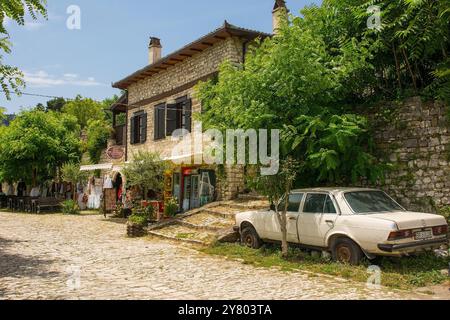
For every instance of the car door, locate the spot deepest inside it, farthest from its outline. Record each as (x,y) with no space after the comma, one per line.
(317,219)
(272,225)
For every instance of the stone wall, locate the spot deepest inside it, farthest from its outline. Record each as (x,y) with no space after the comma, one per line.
(415,137)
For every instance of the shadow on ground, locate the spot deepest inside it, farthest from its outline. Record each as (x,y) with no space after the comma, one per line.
(18,266)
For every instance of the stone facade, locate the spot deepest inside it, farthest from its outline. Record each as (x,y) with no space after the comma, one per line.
(415,137)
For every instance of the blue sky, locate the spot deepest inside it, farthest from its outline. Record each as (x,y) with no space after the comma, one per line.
(113,40)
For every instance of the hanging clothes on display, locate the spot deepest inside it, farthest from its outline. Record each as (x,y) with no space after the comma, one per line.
(108,184)
(21,189)
(81,197)
(96,191)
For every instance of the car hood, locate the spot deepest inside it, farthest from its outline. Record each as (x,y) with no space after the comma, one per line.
(411,220)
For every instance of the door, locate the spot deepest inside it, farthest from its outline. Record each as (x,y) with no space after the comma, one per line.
(272,224)
(195,192)
(317,219)
(187,193)
(177,189)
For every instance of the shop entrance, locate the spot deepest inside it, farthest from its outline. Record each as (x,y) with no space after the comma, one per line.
(191,199)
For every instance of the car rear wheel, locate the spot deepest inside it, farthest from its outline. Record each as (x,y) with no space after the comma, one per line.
(250,238)
(347,251)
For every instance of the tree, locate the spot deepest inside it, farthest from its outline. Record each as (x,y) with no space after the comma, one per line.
(146,171)
(56,104)
(84,110)
(11,78)
(71,172)
(98,132)
(36,144)
(292,83)
(277,189)
(2,114)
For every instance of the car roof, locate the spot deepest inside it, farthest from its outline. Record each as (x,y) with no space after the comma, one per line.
(335,190)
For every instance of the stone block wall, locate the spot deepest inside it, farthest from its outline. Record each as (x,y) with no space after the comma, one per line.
(415,137)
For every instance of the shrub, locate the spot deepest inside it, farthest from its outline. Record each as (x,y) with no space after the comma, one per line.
(70,207)
(445,211)
(139,220)
(171,207)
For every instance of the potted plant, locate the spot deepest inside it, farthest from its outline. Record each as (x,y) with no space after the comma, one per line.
(171,207)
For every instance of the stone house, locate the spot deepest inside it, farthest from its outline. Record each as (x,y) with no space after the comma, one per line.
(160,98)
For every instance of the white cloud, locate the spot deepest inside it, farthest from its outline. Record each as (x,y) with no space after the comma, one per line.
(41,79)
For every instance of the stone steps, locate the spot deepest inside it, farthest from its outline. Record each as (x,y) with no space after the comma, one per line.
(208,224)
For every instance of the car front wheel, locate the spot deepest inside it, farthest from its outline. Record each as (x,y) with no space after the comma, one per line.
(347,251)
(250,238)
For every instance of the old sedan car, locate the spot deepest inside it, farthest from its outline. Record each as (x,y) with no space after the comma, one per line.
(350,223)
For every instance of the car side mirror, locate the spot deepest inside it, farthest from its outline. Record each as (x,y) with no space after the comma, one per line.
(272,207)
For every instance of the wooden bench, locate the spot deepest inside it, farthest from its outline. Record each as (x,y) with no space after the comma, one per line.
(45,204)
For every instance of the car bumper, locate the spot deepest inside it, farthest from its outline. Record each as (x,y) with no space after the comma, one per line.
(412,246)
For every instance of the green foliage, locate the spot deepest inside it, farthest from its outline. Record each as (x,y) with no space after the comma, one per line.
(84,110)
(148,212)
(146,171)
(139,220)
(171,207)
(37,143)
(445,211)
(70,207)
(56,104)
(2,114)
(333,149)
(300,81)
(11,78)
(98,132)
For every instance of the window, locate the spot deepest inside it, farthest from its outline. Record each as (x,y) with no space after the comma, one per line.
(371,202)
(315,203)
(160,122)
(179,116)
(329,206)
(138,128)
(295,200)
(319,203)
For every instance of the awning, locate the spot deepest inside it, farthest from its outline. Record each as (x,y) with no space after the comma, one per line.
(94,167)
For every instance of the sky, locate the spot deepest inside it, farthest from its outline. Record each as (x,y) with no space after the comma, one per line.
(112,41)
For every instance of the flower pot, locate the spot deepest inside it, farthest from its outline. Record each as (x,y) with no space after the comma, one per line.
(135,230)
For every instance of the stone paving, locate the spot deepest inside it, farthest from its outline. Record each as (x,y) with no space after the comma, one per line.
(87,257)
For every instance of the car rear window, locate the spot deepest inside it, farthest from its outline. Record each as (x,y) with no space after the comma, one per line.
(366,202)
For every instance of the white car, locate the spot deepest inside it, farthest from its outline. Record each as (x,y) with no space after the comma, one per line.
(350,223)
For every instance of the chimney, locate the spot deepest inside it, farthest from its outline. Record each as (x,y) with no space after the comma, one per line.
(279,13)
(154,50)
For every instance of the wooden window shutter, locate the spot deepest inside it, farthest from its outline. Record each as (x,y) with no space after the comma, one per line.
(187,115)
(171,124)
(143,127)
(160,122)
(132,130)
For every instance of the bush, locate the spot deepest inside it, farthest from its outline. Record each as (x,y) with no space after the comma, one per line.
(70,207)
(139,220)
(171,207)
(445,211)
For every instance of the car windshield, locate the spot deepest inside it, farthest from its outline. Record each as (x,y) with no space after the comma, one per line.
(367,202)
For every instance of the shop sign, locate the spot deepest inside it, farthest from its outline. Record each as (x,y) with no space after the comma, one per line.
(115,153)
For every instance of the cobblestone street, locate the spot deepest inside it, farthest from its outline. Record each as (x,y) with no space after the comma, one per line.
(41,256)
